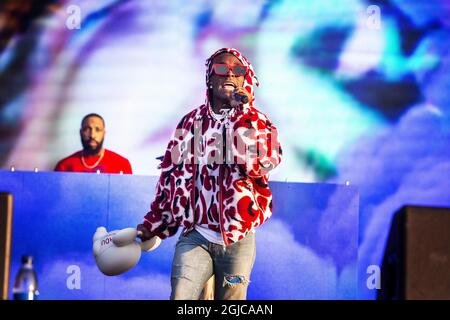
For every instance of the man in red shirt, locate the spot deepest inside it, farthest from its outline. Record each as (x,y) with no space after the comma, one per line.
(94,157)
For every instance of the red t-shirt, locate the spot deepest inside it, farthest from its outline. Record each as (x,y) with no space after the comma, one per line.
(111,163)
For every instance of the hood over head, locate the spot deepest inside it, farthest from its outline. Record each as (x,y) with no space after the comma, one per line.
(249,79)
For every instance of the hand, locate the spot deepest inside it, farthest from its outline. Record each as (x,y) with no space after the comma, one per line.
(143,233)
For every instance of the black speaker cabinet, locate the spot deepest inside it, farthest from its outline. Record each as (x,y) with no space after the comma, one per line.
(416,263)
(6,203)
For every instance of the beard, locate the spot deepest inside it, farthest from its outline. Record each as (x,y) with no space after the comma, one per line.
(90,150)
(221,96)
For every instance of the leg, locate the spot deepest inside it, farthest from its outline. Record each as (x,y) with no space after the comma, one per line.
(191,267)
(208,290)
(232,269)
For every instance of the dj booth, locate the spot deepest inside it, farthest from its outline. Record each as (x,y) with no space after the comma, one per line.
(308,249)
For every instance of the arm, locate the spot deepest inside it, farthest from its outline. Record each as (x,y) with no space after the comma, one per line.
(127,167)
(159,221)
(60,167)
(257,149)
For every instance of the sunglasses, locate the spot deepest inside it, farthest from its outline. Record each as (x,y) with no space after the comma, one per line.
(222,69)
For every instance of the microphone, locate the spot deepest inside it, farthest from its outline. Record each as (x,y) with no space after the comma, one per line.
(241,98)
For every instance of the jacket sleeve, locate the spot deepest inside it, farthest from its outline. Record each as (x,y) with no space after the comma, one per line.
(160,220)
(257,149)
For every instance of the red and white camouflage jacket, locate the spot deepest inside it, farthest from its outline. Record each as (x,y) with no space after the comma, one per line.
(230,158)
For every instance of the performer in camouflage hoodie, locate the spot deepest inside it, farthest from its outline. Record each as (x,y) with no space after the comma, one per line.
(214,183)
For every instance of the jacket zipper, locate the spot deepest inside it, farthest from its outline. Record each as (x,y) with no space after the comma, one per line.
(194,181)
(194,167)
(221,168)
